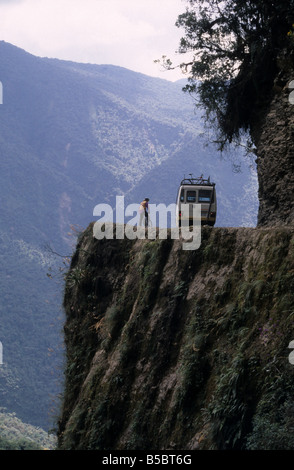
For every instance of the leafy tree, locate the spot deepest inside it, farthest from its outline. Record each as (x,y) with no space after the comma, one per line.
(234,46)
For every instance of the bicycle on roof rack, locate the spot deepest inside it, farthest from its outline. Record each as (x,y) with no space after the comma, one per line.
(197,190)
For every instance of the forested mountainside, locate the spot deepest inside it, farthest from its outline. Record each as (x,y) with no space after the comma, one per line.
(73,136)
(16,435)
(170,349)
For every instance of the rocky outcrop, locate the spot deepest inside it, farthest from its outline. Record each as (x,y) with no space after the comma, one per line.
(171,349)
(273,134)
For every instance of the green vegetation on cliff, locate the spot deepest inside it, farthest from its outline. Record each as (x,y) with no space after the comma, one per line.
(173,349)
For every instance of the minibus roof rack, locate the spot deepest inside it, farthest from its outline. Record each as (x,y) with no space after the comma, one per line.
(200,180)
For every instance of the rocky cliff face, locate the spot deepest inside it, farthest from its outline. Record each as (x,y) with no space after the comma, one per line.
(171,349)
(273,134)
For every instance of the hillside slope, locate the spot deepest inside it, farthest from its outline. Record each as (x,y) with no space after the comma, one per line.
(173,349)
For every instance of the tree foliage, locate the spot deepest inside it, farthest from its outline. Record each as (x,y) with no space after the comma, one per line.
(235,45)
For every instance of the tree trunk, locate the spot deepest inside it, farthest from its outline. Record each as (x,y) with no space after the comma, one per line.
(273,135)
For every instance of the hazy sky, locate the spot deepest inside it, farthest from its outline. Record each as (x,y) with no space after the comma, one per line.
(128,33)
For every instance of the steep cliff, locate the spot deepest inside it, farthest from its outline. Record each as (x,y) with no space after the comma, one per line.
(174,349)
(273,132)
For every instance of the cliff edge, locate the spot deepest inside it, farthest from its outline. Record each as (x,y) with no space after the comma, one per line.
(170,349)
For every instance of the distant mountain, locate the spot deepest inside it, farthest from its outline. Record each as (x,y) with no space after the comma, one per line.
(72,136)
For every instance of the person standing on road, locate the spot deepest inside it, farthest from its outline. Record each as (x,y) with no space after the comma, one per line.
(143,211)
